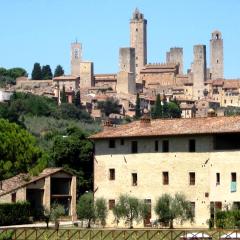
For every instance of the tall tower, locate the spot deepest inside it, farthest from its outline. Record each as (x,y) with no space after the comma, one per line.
(76,58)
(199,69)
(175,55)
(126,82)
(138,40)
(216,56)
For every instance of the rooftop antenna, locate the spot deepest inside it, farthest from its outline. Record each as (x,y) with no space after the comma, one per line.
(76,40)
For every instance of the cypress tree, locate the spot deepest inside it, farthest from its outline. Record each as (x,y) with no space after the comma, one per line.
(165,110)
(77,99)
(46,72)
(58,71)
(63,95)
(37,72)
(137,107)
(158,108)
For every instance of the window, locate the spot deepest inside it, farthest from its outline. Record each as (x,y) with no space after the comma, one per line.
(134,147)
(14,196)
(112,143)
(111,204)
(165,178)
(233,182)
(192,145)
(111,174)
(156,146)
(192,178)
(134,179)
(122,141)
(165,146)
(136,29)
(193,208)
(217,178)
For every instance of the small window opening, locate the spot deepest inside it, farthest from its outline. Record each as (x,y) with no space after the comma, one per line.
(134,147)
(134,179)
(192,145)
(156,146)
(165,178)
(111,174)
(192,178)
(217,178)
(112,143)
(165,146)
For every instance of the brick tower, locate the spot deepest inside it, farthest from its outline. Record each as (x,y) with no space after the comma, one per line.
(138,40)
(76,58)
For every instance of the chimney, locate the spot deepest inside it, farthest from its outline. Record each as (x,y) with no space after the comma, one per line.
(107,124)
(145,120)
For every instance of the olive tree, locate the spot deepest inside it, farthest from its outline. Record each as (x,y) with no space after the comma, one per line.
(130,209)
(170,208)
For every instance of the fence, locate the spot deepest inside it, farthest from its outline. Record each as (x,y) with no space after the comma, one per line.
(118,234)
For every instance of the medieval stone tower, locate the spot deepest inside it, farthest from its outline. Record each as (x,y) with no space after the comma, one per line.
(138,40)
(126,82)
(216,56)
(76,58)
(175,55)
(199,69)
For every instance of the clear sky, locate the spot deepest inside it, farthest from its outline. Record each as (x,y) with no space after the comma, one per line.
(42,30)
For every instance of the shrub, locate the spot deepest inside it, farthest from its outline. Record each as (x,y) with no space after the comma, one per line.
(6,235)
(14,213)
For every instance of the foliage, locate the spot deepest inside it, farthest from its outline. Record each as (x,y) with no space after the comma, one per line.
(165,110)
(77,99)
(37,72)
(138,107)
(157,113)
(57,210)
(63,95)
(16,72)
(85,208)
(228,219)
(130,209)
(174,110)
(6,80)
(14,213)
(7,235)
(109,106)
(231,111)
(46,72)
(170,208)
(58,71)
(101,210)
(18,150)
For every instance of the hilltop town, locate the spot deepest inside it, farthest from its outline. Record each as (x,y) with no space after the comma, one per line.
(200,90)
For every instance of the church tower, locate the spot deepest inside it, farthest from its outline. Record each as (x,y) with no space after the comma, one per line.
(76,58)
(216,56)
(138,40)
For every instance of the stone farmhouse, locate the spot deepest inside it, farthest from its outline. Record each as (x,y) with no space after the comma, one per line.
(52,185)
(145,159)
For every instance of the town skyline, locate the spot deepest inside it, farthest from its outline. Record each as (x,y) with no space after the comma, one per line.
(46,43)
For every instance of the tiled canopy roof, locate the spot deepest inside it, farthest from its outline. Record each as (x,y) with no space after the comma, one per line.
(24,179)
(171,127)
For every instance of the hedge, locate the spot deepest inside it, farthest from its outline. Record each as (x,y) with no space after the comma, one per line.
(14,213)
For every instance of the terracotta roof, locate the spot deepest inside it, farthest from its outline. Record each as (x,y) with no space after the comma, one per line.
(24,179)
(218,82)
(171,127)
(66,77)
(230,84)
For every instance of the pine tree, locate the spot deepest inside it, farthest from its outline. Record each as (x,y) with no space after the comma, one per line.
(37,72)
(46,72)
(63,95)
(138,108)
(58,71)
(158,108)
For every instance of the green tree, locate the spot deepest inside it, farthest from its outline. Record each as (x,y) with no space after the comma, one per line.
(58,71)
(37,72)
(3,71)
(174,110)
(57,210)
(157,108)
(137,107)
(77,99)
(130,209)
(63,95)
(109,106)
(16,72)
(85,208)
(165,109)
(101,210)
(18,150)
(46,72)
(170,208)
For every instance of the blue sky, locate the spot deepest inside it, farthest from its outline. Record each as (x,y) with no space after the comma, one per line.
(42,30)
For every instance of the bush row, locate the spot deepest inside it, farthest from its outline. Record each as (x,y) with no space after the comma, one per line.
(14,213)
